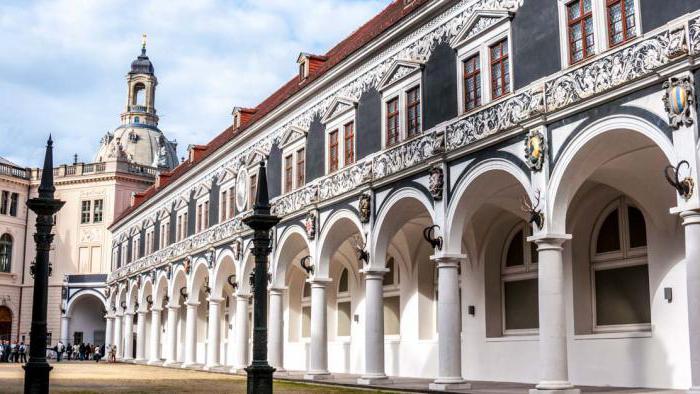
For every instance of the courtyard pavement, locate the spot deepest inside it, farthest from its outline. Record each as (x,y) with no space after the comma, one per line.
(89,377)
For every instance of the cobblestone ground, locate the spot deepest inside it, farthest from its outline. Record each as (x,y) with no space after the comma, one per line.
(89,377)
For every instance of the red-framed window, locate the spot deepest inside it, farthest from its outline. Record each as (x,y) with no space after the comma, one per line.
(288,176)
(301,157)
(472,83)
(500,73)
(392,122)
(333,151)
(621,22)
(349,143)
(413,111)
(579,17)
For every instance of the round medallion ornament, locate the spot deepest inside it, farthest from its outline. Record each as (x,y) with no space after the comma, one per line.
(678,99)
(242,190)
(535,150)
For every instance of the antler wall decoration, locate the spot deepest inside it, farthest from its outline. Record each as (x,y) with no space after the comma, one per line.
(232,281)
(183,293)
(535,215)
(429,235)
(306,264)
(685,186)
(359,245)
(149,300)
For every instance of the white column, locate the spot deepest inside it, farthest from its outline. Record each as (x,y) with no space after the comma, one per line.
(553,353)
(171,335)
(691,225)
(242,332)
(118,326)
(449,325)
(141,336)
(318,352)
(191,335)
(128,336)
(374,328)
(109,331)
(154,352)
(276,333)
(65,327)
(214,333)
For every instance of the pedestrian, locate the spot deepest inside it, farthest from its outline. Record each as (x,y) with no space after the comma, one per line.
(69,351)
(2,351)
(22,353)
(14,355)
(81,349)
(114,353)
(97,355)
(76,350)
(59,351)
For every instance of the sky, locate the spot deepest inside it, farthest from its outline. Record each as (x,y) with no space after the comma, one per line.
(64,62)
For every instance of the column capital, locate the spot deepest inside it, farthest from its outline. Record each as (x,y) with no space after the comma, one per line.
(445,260)
(156,310)
(142,311)
(374,273)
(129,313)
(192,304)
(319,282)
(690,217)
(243,296)
(108,317)
(278,290)
(67,317)
(215,300)
(549,241)
(173,307)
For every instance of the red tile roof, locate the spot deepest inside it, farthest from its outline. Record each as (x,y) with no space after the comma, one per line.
(388,17)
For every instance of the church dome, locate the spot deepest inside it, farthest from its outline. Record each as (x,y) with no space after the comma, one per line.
(139,144)
(142,64)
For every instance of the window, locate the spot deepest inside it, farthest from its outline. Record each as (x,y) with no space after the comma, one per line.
(413,126)
(97,211)
(519,283)
(164,231)
(181,232)
(4,202)
(333,151)
(14,197)
(392,300)
(149,241)
(253,188)
(223,200)
(85,212)
(343,305)
(581,40)
(472,83)
(288,176)
(306,311)
(392,122)
(135,248)
(621,21)
(619,270)
(301,168)
(500,70)
(5,253)
(202,216)
(349,143)
(231,202)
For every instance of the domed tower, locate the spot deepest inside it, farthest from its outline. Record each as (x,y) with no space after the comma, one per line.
(138,139)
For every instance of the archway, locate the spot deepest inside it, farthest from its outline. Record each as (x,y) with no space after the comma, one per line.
(5,323)
(86,311)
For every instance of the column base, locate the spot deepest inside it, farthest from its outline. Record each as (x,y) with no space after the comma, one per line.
(317,375)
(192,366)
(555,387)
(555,391)
(281,373)
(156,362)
(373,379)
(449,385)
(694,390)
(144,361)
(210,367)
(171,363)
(239,370)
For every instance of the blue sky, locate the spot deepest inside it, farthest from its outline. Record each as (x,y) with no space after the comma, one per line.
(64,62)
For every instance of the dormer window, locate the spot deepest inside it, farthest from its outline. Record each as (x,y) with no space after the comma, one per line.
(309,63)
(242,115)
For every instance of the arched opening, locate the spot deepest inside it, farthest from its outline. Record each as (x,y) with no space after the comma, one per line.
(139,95)
(5,323)
(87,324)
(6,253)
(222,288)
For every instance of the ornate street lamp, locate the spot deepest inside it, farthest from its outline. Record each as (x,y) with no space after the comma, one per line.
(36,371)
(261,221)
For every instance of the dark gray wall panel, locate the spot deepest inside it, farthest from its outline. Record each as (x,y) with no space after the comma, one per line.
(315,166)
(440,86)
(274,171)
(369,126)
(173,226)
(214,203)
(191,214)
(535,34)
(156,235)
(656,13)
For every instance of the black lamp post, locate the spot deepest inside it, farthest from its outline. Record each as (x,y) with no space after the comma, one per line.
(261,221)
(36,371)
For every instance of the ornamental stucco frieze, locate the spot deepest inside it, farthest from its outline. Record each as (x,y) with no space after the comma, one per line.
(694,34)
(633,62)
(408,154)
(345,180)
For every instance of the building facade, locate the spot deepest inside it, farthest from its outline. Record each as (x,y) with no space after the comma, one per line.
(94,194)
(499,190)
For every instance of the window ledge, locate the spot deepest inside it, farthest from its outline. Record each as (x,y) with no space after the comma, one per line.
(10,275)
(514,338)
(614,335)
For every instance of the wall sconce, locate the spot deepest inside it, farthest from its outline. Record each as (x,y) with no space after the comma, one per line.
(668,294)
(471,309)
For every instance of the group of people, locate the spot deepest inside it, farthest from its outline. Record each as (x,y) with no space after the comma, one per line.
(82,352)
(13,352)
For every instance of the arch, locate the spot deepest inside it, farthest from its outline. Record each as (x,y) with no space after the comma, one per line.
(292,242)
(328,244)
(386,226)
(246,267)
(461,208)
(199,272)
(6,242)
(132,296)
(179,280)
(5,323)
(225,266)
(160,290)
(572,162)
(145,291)
(82,294)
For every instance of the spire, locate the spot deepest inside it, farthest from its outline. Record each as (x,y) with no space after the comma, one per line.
(262,200)
(46,188)
(143,44)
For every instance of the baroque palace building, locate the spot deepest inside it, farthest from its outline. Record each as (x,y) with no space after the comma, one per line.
(494,190)
(95,193)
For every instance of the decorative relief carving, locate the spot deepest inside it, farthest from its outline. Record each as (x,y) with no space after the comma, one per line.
(678,100)
(535,150)
(407,154)
(310,225)
(436,182)
(345,180)
(364,206)
(694,34)
(499,117)
(90,235)
(296,200)
(630,63)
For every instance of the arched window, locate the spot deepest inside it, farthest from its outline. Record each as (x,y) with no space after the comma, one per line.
(5,323)
(619,270)
(519,292)
(343,305)
(5,253)
(306,311)
(139,94)
(392,299)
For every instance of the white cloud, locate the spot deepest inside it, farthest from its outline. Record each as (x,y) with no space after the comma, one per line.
(64,63)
